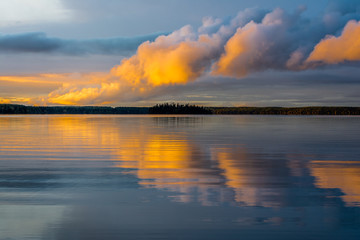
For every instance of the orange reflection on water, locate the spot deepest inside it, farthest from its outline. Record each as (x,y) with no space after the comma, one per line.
(168,161)
(175,163)
(235,176)
(158,157)
(150,149)
(56,137)
(344,175)
(241,176)
(162,153)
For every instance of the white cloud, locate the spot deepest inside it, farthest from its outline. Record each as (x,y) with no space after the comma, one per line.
(24,12)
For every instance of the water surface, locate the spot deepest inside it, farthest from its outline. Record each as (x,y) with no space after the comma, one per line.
(179,177)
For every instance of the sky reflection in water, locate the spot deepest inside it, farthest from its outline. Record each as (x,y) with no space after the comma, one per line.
(189,177)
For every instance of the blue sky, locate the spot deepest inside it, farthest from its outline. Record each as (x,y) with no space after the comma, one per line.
(54,50)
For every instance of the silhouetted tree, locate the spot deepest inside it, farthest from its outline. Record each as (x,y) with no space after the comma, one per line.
(176,108)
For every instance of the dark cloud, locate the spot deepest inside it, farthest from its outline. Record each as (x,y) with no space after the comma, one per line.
(29,42)
(41,43)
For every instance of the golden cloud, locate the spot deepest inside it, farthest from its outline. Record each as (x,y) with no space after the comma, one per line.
(346,47)
(173,59)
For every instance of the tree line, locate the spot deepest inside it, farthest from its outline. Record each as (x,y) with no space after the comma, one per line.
(21,109)
(176,108)
(288,111)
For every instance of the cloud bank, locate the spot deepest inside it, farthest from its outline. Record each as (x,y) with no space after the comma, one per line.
(253,41)
(41,43)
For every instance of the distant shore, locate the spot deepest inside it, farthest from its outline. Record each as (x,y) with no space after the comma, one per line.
(174,108)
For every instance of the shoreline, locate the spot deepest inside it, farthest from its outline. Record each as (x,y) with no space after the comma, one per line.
(173,109)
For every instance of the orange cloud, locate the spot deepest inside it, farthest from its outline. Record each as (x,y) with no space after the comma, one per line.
(39,78)
(75,95)
(256,47)
(174,59)
(235,49)
(53,78)
(346,47)
(65,83)
(5,101)
(15,100)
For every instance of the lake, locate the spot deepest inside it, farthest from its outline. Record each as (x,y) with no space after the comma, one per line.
(70,177)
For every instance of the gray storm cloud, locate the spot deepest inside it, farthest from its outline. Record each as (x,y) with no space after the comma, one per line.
(41,43)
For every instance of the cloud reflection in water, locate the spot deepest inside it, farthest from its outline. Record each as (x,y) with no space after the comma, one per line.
(113,176)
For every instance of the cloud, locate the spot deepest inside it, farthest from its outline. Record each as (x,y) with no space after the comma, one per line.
(103,93)
(257,46)
(5,101)
(29,42)
(346,47)
(41,43)
(251,42)
(30,86)
(174,59)
(281,41)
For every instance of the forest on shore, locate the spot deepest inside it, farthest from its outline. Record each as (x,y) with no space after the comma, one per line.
(22,109)
(176,108)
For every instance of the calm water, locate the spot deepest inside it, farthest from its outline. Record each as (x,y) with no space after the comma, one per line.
(186,177)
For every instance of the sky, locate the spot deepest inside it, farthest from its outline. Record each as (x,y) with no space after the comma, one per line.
(206,52)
